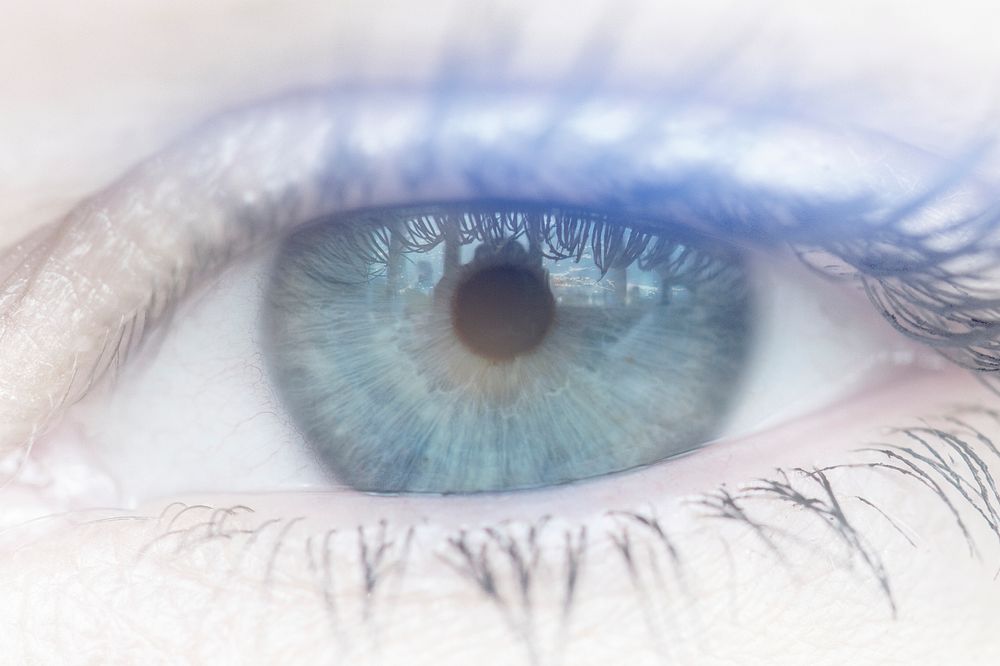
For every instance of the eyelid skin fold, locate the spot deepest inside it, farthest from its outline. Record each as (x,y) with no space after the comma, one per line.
(76,302)
(82,297)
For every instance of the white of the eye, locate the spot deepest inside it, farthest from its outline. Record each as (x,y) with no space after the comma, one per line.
(196,412)
(816,342)
(199,415)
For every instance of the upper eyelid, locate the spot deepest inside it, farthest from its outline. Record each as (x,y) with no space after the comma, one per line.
(86,293)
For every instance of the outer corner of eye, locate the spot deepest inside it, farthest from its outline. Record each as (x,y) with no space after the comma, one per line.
(817,343)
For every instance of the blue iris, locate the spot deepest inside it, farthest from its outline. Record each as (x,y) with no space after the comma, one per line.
(469,348)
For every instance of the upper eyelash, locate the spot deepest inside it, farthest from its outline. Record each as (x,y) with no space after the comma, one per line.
(719,202)
(562,233)
(939,296)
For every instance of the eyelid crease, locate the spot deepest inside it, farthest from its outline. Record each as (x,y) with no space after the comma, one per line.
(84,297)
(79,299)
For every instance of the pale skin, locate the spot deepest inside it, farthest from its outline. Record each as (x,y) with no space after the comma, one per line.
(100,89)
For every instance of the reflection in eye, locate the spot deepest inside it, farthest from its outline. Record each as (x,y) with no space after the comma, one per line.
(254,174)
(632,339)
(248,179)
(463,348)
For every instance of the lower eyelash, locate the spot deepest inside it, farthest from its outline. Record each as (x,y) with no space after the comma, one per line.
(514,567)
(966,481)
(813,492)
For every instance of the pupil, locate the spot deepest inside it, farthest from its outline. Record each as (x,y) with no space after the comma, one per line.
(502,311)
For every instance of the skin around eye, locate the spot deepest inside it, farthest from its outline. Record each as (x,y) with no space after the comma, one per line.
(176,220)
(98,88)
(166,554)
(153,412)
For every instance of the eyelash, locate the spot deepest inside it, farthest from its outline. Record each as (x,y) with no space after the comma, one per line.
(500,558)
(930,293)
(909,295)
(501,561)
(566,233)
(936,296)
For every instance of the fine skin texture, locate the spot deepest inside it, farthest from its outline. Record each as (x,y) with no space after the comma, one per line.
(692,562)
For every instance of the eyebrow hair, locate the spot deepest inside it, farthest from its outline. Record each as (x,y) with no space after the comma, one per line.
(86,295)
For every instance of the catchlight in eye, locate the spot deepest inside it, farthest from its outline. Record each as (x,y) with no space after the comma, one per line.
(481,348)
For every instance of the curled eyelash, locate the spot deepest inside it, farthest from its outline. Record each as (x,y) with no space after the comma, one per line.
(945,461)
(952,461)
(537,578)
(551,232)
(544,569)
(935,282)
(812,492)
(927,289)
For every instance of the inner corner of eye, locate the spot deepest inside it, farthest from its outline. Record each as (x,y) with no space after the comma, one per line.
(483,347)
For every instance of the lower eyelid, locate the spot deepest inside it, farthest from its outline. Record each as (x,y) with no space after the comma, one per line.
(548,572)
(270,560)
(809,439)
(67,473)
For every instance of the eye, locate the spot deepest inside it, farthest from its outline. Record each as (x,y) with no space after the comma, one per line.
(658,308)
(225,401)
(463,349)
